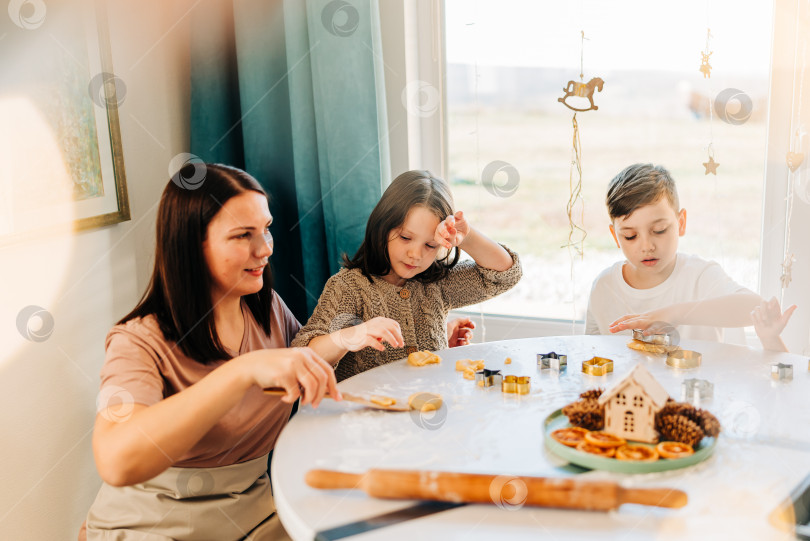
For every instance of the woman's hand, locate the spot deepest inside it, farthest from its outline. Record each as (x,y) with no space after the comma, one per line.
(300,371)
(452,230)
(459,332)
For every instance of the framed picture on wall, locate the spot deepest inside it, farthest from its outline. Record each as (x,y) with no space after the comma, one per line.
(60,143)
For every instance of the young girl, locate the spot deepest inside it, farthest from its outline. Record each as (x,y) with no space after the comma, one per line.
(393,296)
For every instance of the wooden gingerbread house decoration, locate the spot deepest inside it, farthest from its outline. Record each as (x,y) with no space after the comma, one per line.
(631,405)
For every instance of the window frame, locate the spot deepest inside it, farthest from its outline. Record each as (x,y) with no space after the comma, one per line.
(414,44)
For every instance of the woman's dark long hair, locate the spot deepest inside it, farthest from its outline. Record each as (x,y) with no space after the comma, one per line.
(179,292)
(410,189)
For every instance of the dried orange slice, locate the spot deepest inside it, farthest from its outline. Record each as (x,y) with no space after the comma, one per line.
(586,447)
(570,436)
(641,453)
(674,449)
(604,439)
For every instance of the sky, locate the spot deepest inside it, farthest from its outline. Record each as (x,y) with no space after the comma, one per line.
(620,34)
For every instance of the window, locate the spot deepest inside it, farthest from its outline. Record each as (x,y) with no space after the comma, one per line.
(506,64)
(621,399)
(638,401)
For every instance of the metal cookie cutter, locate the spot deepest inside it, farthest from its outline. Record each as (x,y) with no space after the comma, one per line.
(598,366)
(552,361)
(488,378)
(684,358)
(697,390)
(516,384)
(663,339)
(782,372)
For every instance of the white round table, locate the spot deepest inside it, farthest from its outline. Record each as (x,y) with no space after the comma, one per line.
(762,453)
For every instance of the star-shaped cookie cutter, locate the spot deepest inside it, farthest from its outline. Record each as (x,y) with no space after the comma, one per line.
(598,366)
(488,378)
(516,384)
(697,390)
(782,371)
(552,361)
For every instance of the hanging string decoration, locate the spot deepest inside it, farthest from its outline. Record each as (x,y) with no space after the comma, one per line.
(794,159)
(576,92)
(575,190)
(706,69)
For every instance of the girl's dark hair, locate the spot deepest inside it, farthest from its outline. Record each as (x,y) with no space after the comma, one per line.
(179,292)
(408,190)
(638,185)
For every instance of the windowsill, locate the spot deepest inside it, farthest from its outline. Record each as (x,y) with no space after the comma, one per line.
(490,327)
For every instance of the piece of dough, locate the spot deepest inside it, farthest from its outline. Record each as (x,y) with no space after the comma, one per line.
(383,400)
(422,358)
(464,364)
(425,401)
(646,347)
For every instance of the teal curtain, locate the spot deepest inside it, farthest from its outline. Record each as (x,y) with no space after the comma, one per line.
(292,92)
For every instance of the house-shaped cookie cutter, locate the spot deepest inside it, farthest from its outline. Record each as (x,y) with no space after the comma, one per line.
(662,339)
(598,366)
(684,358)
(782,371)
(488,378)
(516,384)
(552,361)
(697,390)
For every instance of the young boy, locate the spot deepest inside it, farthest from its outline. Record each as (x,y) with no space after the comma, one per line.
(656,284)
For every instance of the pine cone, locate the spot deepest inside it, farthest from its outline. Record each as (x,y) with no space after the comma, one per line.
(586,414)
(678,408)
(709,423)
(592,394)
(680,428)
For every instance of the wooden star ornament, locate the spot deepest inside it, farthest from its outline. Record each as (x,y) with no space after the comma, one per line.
(711,166)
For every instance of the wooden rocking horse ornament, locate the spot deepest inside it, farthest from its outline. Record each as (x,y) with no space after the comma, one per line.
(582,90)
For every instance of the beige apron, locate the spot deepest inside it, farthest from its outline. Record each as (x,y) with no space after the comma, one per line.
(195,504)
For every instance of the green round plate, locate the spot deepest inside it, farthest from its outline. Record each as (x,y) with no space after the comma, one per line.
(587,460)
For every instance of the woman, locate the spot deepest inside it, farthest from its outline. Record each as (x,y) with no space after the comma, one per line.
(183,429)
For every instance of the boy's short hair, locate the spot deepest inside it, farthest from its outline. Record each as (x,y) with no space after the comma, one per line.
(638,185)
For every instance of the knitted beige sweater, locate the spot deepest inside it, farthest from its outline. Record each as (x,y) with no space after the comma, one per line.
(421,309)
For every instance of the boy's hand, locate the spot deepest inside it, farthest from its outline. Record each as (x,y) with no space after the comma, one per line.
(654,322)
(452,230)
(459,332)
(769,320)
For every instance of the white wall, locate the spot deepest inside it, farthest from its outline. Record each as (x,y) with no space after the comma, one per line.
(86,281)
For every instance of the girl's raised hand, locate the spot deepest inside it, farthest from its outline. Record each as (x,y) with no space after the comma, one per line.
(452,230)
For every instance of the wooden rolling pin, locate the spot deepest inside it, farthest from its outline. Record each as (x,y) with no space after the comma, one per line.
(475,488)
